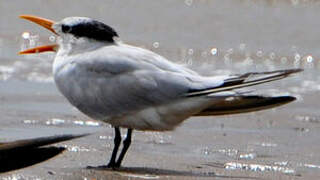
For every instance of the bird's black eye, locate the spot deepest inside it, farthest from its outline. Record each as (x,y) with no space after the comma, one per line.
(65,28)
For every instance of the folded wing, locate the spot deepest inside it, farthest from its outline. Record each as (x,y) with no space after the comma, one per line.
(245,80)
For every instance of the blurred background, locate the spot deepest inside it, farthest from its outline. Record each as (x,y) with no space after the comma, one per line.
(209,36)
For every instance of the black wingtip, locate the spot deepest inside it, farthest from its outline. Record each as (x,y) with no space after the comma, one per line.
(298,70)
(284,71)
(246,104)
(284,99)
(275,100)
(292,71)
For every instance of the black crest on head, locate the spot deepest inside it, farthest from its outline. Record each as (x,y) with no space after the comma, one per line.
(91,29)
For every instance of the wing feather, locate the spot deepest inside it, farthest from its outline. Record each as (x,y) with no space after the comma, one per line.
(245,80)
(124,79)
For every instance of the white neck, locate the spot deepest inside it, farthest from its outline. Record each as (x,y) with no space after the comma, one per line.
(69,45)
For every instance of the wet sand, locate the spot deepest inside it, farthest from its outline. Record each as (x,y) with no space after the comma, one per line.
(280,143)
(272,144)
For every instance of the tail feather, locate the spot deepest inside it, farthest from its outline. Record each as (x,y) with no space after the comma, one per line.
(245,80)
(243,104)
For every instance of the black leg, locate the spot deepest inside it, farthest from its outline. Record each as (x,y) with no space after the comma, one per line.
(126,144)
(117,141)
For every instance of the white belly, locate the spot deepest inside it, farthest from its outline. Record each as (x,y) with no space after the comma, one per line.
(162,118)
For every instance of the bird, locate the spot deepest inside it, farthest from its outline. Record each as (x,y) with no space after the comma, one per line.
(136,89)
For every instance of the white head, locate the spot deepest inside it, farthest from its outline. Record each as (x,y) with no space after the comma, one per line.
(75,33)
(83,27)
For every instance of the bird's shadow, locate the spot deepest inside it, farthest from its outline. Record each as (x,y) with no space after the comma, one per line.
(21,158)
(166,172)
(27,152)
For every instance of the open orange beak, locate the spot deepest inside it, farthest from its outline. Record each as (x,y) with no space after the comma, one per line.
(46,23)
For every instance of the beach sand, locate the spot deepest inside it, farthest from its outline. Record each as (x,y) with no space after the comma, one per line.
(211,37)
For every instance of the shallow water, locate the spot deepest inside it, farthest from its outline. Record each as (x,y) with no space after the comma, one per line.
(211,37)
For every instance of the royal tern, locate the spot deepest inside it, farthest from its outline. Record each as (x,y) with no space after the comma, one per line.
(134,88)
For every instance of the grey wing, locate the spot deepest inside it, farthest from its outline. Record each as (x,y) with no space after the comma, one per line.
(124,79)
(136,90)
(121,58)
(123,82)
(130,79)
